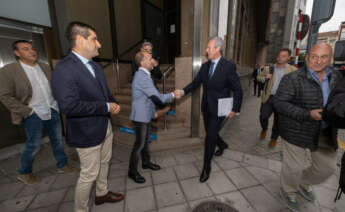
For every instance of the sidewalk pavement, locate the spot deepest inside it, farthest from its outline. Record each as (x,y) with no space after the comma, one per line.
(245,177)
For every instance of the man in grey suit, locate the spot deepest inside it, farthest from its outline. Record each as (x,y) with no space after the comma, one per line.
(144,97)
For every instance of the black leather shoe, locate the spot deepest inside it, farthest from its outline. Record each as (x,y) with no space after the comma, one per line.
(137,178)
(205,175)
(220,151)
(151,166)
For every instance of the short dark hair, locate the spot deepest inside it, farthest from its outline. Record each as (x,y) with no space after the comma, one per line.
(139,57)
(15,43)
(77,28)
(285,50)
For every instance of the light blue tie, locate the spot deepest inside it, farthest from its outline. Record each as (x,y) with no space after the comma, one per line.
(210,72)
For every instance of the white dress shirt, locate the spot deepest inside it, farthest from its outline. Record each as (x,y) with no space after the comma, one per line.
(42,99)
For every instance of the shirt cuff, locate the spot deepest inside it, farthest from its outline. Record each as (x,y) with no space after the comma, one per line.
(172,93)
(108,106)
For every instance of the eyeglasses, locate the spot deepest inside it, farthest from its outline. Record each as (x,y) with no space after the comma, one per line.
(317,57)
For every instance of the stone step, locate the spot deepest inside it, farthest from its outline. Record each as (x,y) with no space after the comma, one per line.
(124,121)
(165,140)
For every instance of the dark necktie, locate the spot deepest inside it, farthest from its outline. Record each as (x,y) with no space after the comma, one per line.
(210,72)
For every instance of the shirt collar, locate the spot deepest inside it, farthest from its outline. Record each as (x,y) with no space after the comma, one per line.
(145,70)
(83,59)
(315,75)
(216,60)
(27,66)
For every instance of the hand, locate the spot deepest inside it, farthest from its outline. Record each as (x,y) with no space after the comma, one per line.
(316,114)
(231,114)
(114,108)
(154,62)
(162,112)
(268,76)
(178,94)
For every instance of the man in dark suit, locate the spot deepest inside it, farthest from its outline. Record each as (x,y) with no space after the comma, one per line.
(218,77)
(82,94)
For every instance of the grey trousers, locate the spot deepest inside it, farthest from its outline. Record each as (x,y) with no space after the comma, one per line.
(304,167)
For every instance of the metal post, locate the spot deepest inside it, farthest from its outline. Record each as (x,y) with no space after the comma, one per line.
(231,49)
(197,60)
(214,17)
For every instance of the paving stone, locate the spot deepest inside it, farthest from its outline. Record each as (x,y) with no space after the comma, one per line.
(69,194)
(140,200)
(118,170)
(340,204)
(256,161)
(176,208)
(121,154)
(325,196)
(47,199)
(65,180)
(233,155)
(17,204)
(163,176)
(331,183)
(236,200)
(4,179)
(117,184)
(241,178)
(226,164)
(186,171)
(52,208)
(194,190)
(273,187)
(42,187)
(219,183)
(133,185)
(168,194)
(12,189)
(263,175)
(195,203)
(66,206)
(109,207)
(183,158)
(165,161)
(275,165)
(214,167)
(261,200)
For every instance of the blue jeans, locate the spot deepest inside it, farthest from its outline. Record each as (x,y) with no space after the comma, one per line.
(33,127)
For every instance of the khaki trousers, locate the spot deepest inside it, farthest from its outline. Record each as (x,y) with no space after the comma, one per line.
(94,166)
(297,169)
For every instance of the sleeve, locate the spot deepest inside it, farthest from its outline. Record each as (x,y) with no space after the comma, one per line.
(148,88)
(235,85)
(66,92)
(283,101)
(7,96)
(194,84)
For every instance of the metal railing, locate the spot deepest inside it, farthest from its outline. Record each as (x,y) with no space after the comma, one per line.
(165,75)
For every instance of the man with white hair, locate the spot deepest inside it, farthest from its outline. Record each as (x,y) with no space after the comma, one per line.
(218,77)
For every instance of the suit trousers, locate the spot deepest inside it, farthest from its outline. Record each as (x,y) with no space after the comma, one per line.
(94,165)
(140,147)
(212,125)
(266,111)
(298,169)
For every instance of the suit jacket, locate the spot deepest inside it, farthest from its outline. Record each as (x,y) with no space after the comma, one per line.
(144,95)
(83,99)
(16,90)
(268,89)
(224,80)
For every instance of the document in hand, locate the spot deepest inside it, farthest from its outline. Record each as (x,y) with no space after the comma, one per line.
(224,106)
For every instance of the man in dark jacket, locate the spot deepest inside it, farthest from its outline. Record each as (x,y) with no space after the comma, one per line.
(300,99)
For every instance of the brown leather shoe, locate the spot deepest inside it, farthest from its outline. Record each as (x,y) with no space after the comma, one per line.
(28,179)
(263,134)
(109,197)
(273,143)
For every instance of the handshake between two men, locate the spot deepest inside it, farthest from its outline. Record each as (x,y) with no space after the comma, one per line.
(178,94)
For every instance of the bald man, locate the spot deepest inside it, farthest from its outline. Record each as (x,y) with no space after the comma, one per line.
(299,101)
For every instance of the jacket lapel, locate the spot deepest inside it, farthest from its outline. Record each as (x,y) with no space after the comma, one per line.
(22,77)
(218,68)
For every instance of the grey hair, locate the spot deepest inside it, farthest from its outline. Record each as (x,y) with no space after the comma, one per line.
(218,42)
(146,43)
